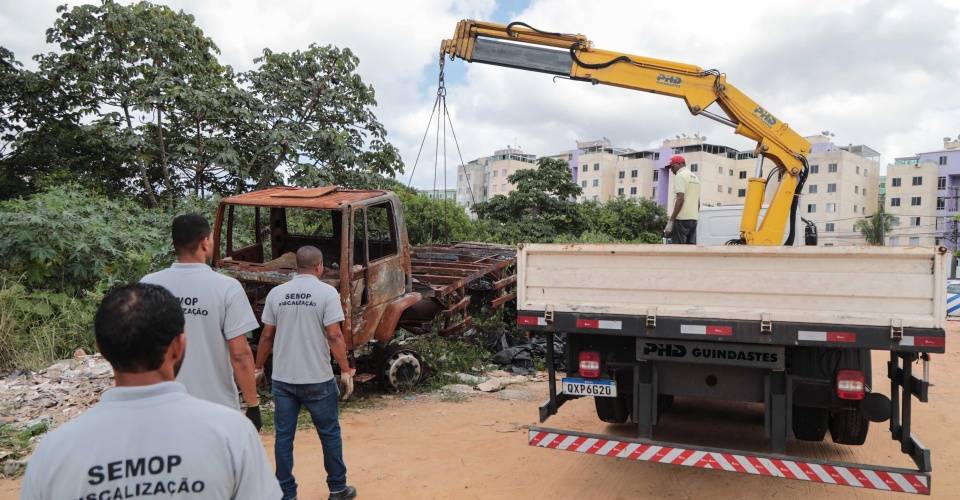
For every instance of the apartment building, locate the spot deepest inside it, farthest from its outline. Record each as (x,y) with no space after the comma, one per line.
(723,171)
(638,175)
(911,197)
(595,166)
(842,188)
(485,177)
(938,195)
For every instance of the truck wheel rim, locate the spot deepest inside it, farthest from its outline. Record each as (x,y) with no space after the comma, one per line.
(404,370)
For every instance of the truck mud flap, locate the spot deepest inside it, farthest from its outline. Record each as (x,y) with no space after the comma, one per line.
(760,464)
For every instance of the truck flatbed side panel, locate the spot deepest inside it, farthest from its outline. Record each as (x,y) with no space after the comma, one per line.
(856,286)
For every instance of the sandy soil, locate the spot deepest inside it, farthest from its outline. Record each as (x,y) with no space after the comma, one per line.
(429,448)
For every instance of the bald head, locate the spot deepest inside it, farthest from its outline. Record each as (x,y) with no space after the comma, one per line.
(309,258)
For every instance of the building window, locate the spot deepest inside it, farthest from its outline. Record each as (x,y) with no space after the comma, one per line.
(731,172)
(894,241)
(915,201)
(829,227)
(941,183)
(914,221)
(895,182)
(729,190)
(633,190)
(595,197)
(719,188)
(633,173)
(741,193)
(858,170)
(914,241)
(831,188)
(583,183)
(743,174)
(619,191)
(584,168)
(656,175)
(811,208)
(494,173)
(831,208)
(596,166)
(941,203)
(621,174)
(863,210)
(503,172)
(865,174)
(814,169)
(943,160)
(856,189)
(918,181)
(894,202)
(596,182)
(831,168)
(654,195)
(694,167)
(854,209)
(813,189)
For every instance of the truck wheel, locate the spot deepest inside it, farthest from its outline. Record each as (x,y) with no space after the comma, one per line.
(849,427)
(809,424)
(401,368)
(612,410)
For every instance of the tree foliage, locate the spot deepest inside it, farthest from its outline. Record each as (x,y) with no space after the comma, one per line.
(875,227)
(541,207)
(136,101)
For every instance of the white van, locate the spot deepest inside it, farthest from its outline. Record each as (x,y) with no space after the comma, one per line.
(718,225)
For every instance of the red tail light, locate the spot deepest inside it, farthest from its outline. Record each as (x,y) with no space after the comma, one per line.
(589,364)
(850,385)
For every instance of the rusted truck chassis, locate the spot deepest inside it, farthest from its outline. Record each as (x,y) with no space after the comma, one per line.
(384,283)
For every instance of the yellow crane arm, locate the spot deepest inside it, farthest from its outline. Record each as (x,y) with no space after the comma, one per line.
(518,45)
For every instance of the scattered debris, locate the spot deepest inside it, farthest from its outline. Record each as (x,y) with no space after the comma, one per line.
(43,400)
(523,357)
(497,383)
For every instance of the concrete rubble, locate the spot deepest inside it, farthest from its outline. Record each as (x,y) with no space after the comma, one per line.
(51,396)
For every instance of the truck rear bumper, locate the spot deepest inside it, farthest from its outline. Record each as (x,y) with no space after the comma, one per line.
(761,464)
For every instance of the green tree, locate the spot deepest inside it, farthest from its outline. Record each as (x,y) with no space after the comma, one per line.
(541,207)
(124,66)
(625,219)
(875,227)
(312,116)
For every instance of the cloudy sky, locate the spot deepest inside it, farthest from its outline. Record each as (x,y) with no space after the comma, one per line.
(876,72)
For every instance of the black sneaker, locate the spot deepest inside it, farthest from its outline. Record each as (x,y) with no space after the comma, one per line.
(348,492)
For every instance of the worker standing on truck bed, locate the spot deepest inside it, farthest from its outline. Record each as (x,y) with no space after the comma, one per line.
(218,317)
(682,226)
(147,437)
(302,316)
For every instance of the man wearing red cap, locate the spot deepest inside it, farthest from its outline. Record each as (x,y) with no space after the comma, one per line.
(682,226)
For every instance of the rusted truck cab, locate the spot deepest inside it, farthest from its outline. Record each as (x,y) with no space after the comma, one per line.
(384,284)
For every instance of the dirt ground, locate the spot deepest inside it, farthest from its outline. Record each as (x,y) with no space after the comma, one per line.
(439,447)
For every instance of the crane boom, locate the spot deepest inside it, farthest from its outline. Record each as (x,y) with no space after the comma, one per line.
(518,45)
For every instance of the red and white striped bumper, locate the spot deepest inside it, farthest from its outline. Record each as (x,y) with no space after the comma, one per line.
(855,475)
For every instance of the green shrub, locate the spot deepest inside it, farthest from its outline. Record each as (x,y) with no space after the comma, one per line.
(39,327)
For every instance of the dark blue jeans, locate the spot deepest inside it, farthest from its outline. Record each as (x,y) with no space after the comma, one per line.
(321,401)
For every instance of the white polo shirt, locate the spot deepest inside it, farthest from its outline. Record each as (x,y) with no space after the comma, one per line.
(216,310)
(688,183)
(153,441)
(301,309)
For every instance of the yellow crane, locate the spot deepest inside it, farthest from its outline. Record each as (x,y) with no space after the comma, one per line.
(519,45)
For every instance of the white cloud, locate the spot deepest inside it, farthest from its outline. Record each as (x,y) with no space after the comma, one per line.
(877,72)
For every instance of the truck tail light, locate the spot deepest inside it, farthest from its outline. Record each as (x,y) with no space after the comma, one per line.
(589,364)
(850,385)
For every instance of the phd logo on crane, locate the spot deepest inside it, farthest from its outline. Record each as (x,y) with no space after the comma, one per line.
(765,115)
(673,81)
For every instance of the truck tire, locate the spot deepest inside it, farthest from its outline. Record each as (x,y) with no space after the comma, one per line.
(401,368)
(849,427)
(612,410)
(809,424)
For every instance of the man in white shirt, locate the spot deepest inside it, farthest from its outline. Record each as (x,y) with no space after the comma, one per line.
(218,317)
(302,319)
(147,437)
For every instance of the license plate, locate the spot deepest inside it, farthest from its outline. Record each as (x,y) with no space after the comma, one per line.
(602,388)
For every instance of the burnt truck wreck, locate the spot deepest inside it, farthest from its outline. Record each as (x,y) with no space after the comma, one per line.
(385,284)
